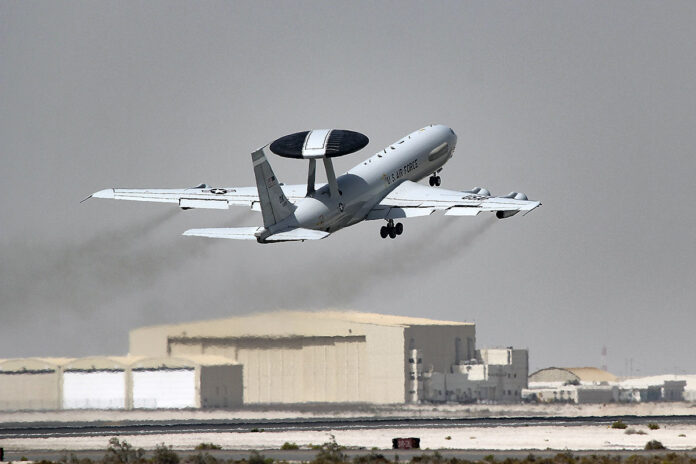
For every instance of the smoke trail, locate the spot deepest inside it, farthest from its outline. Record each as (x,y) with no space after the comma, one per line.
(82,276)
(415,257)
(319,280)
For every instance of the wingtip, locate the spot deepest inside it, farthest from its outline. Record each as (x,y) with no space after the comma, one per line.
(106,193)
(535,206)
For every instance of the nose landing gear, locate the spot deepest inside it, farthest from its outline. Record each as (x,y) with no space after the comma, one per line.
(391,230)
(435,180)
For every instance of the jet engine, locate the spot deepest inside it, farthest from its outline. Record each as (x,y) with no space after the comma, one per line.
(513,196)
(505,214)
(481,191)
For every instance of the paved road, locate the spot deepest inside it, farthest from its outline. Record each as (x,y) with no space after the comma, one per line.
(85,429)
(308,455)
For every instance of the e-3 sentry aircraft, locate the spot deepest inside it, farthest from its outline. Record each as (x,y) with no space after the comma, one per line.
(383,187)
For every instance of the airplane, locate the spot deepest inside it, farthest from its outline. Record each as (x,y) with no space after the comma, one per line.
(382,187)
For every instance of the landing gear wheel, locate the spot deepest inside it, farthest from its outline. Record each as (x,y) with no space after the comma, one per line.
(431,181)
(399,229)
(383,232)
(392,232)
(437,180)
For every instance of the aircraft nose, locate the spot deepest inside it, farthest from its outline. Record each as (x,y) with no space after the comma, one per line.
(452,139)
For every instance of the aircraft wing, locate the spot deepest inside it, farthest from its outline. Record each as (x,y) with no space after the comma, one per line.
(411,199)
(199,197)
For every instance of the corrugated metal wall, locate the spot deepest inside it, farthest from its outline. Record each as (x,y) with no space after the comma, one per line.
(303,369)
(29,390)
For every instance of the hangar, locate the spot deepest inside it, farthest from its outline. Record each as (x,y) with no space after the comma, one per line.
(588,375)
(120,382)
(29,383)
(329,356)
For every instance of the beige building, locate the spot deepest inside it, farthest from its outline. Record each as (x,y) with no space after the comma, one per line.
(330,356)
(120,382)
(30,384)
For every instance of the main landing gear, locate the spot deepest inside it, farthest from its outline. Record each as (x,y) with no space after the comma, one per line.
(391,230)
(434,180)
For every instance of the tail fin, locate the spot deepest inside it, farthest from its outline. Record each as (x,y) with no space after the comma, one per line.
(274,204)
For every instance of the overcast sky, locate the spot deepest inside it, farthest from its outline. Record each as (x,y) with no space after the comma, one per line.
(589,107)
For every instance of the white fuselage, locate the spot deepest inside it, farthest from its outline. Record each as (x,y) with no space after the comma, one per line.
(414,157)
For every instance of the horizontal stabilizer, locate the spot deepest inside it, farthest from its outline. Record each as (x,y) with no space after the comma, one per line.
(249,233)
(297,234)
(235,233)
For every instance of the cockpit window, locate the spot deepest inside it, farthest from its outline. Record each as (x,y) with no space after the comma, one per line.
(439,151)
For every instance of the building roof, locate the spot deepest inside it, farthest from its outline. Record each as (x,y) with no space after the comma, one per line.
(179,362)
(642,382)
(580,374)
(153,340)
(295,321)
(29,365)
(111,363)
(97,363)
(377,319)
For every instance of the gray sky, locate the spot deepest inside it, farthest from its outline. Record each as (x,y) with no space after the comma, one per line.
(589,107)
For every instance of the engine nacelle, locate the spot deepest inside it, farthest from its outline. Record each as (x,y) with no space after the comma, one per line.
(505,214)
(515,196)
(512,196)
(481,191)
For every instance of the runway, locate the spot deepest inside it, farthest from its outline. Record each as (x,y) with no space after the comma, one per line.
(78,429)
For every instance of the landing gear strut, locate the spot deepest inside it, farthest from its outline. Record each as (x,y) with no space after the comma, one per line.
(434,180)
(391,230)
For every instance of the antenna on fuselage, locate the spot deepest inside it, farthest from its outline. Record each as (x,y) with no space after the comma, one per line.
(320,144)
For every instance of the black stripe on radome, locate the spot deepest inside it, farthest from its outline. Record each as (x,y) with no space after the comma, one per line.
(342,142)
(290,146)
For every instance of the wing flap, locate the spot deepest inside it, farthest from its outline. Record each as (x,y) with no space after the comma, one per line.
(462,211)
(197,203)
(393,212)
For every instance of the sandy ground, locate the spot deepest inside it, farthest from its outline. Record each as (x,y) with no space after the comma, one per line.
(478,410)
(674,437)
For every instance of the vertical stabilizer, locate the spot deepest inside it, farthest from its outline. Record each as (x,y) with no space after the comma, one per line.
(274,204)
